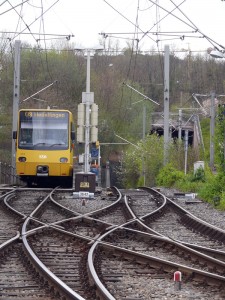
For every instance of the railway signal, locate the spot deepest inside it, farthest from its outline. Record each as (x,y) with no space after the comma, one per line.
(87,132)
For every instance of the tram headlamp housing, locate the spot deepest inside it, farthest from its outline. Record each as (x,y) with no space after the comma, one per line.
(22,159)
(63,159)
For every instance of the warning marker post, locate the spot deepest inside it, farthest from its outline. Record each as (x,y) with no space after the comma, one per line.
(177,280)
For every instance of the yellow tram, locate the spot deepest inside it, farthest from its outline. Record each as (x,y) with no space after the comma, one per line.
(45,146)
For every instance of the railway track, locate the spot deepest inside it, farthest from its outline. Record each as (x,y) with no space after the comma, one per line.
(179,224)
(116,246)
(18,280)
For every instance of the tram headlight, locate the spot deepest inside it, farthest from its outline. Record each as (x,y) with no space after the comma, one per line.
(39,169)
(63,159)
(22,159)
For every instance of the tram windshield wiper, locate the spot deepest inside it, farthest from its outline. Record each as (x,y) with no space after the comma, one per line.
(57,144)
(39,144)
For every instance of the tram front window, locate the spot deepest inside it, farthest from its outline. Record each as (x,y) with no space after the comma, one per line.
(43,133)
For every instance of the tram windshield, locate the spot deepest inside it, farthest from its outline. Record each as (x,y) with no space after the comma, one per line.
(43,130)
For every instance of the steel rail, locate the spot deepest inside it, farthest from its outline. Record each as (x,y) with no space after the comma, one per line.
(185,246)
(186,212)
(59,284)
(10,241)
(141,258)
(139,219)
(8,193)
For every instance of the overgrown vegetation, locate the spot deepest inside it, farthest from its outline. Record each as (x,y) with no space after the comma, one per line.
(209,186)
(121,109)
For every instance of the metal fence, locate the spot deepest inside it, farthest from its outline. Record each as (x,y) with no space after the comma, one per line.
(8,174)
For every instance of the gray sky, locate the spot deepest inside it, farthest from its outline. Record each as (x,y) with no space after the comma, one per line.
(87,18)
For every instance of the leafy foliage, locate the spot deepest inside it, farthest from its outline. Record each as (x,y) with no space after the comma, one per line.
(213,187)
(141,164)
(5,138)
(199,175)
(220,138)
(168,176)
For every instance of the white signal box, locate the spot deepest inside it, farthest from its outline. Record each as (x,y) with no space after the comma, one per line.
(87,98)
(80,134)
(94,114)
(80,114)
(94,134)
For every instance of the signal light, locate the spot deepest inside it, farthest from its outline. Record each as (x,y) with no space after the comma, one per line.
(63,160)
(22,159)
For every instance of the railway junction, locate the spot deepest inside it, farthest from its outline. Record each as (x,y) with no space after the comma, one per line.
(120,244)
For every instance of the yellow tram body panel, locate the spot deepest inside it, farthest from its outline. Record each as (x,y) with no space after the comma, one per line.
(50,159)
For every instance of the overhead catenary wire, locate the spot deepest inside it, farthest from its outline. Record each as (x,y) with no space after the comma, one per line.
(213,42)
(160,19)
(182,36)
(21,18)
(67,36)
(43,27)
(125,18)
(13,7)
(40,16)
(205,36)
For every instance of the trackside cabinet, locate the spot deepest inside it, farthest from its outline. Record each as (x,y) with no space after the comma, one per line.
(85,182)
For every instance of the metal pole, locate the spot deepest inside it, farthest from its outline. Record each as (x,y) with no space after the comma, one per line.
(87,124)
(107,181)
(223,142)
(166,102)
(212,129)
(99,167)
(144,120)
(144,132)
(180,125)
(185,151)
(16,95)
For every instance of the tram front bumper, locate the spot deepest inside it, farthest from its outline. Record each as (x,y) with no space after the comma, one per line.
(42,170)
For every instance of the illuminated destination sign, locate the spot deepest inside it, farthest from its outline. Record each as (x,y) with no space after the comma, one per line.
(43,114)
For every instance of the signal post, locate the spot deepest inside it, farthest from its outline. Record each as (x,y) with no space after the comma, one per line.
(87,134)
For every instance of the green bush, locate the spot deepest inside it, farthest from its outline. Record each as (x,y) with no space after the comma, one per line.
(168,175)
(199,175)
(213,187)
(187,185)
(221,204)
